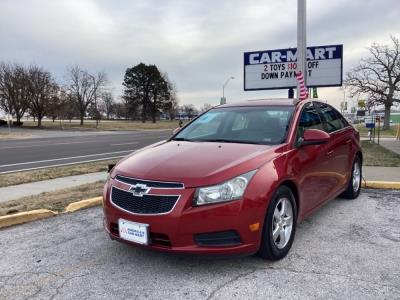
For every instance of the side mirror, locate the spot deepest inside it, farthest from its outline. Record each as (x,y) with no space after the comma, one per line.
(314,137)
(176,130)
(110,167)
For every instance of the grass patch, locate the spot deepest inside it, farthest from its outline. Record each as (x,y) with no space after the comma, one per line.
(90,125)
(376,155)
(56,201)
(55,172)
(383,133)
(12,136)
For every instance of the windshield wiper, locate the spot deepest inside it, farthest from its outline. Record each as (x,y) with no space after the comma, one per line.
(181,139)
(232,141)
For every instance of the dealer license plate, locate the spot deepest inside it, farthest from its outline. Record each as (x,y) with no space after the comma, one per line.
(134,232)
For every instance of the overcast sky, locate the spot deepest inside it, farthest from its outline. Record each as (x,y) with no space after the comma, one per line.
(198,43)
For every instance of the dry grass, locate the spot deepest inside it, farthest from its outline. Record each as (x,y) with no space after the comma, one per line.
(104,125)
(12,136)
(55,172)
(383,133)
(56,201)
(376,155)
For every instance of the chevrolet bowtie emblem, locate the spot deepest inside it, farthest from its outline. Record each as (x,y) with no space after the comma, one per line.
(139,189)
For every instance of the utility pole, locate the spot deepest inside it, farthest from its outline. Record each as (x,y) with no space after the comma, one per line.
(301,42)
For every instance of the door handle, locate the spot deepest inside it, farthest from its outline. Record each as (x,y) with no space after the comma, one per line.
(329,153)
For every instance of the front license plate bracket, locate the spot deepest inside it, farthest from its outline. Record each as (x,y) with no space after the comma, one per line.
(134,232)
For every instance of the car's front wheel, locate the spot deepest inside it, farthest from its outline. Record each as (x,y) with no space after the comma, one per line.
(354,186)
(279,225)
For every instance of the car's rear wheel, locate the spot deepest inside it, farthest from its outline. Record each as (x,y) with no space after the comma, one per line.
(279,225)
(354,186)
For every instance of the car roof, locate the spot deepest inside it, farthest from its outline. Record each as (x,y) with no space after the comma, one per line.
(266,102)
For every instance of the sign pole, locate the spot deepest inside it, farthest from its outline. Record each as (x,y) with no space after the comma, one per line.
(301,42)
(379,127)
(290,93)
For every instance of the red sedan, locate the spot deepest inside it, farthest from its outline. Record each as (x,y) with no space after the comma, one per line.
(235,180)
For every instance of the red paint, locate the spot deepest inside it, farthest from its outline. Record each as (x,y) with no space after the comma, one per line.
(319,173)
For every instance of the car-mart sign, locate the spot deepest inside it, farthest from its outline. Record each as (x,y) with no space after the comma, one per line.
(275,69)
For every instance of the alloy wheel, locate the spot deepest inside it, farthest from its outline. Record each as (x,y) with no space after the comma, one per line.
(356,176)
(282,223)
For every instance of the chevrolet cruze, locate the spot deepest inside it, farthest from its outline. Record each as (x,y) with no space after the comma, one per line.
(235,180)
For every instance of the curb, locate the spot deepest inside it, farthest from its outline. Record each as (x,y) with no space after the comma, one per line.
(26,216)
(39,214)
(381,185)
(83,204)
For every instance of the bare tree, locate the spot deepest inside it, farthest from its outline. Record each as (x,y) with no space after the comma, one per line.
(55,109)
(85,88)
(14,92)
(43,91)
(378,76)
(205,107)
(6,89)
(190,110)
(108,103)
(121,110)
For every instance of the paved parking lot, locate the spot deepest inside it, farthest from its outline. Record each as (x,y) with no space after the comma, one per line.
(347,250)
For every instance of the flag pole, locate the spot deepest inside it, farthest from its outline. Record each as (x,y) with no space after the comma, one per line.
(301,43)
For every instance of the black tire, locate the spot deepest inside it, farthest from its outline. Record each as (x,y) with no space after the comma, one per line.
(350,192)
(268,248)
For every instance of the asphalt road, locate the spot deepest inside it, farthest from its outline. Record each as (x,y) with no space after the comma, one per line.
(347,250)
(25,154)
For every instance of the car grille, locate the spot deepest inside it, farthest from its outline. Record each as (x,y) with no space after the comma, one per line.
(151,184)
(147,204)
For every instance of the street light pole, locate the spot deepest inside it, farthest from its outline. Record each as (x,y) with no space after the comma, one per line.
(343,103)
(223,100)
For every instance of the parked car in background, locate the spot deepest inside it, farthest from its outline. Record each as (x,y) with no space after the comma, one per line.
(235,180)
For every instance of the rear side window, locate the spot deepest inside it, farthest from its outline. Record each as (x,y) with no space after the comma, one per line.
(332,119)
(309,119)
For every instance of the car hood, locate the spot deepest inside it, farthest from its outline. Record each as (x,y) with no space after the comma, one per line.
(194,163)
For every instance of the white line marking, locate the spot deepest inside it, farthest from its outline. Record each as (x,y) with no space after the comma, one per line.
(132,143)
(63,158)
(46,145)
(60,165)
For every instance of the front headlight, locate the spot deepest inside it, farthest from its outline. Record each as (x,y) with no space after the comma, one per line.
(232,189)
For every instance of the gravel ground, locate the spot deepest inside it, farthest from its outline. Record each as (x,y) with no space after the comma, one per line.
(347,250)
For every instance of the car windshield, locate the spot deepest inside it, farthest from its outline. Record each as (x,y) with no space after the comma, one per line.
(251,125)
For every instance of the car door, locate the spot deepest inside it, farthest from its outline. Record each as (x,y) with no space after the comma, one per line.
(340,132)
(313,162)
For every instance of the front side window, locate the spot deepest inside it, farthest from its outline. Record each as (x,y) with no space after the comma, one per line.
(250,124)
(309,119)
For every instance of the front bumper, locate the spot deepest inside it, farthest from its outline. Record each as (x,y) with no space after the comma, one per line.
(179,230)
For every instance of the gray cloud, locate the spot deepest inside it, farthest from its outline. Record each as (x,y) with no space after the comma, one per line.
(198,43)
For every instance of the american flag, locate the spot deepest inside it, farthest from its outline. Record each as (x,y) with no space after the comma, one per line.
(303,90)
